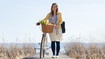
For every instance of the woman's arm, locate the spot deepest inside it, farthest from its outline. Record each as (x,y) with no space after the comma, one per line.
(60,19)
(47,17)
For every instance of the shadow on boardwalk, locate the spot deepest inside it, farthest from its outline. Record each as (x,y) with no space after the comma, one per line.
(31,58)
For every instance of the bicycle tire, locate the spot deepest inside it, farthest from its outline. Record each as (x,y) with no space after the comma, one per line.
(44,36)
(42,50)
(41,46)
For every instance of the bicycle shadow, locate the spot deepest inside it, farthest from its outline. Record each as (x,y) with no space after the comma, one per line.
(31,58)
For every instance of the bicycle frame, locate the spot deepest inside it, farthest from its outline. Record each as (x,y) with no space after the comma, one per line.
(43,44)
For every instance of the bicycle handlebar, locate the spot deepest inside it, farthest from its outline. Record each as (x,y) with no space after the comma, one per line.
(37,23)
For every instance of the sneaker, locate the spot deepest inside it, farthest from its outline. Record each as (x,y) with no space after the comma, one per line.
(53,56)
(57,56)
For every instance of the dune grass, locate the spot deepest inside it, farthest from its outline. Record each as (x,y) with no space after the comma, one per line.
(16,52)
(80,51)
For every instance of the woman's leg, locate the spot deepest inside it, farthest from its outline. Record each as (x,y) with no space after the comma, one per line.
(53,47)
(57,47)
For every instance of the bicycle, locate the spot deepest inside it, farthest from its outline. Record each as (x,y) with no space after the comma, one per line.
(43,44)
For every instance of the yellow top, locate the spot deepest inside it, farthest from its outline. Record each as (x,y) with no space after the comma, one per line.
(60,19)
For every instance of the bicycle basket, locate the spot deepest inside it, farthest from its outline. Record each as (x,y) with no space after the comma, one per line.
(47,28)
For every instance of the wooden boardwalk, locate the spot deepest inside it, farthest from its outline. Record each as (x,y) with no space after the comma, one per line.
(48,55)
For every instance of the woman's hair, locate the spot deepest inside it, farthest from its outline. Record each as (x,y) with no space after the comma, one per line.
(52,12)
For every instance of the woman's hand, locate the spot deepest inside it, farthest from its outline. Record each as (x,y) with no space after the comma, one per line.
(55,26)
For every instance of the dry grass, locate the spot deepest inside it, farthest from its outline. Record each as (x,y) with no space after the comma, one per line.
(79,51)
(15,52)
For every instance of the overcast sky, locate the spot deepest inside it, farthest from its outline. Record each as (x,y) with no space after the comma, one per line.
(84,19)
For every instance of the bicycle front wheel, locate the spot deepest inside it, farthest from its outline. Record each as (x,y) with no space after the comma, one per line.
(42,51)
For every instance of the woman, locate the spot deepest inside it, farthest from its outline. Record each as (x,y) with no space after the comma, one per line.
(54,37)
(55,18)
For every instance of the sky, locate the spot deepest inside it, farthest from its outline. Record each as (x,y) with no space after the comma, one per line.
(84,19)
